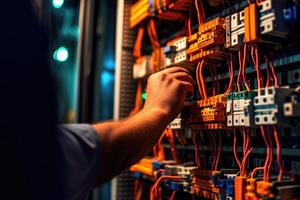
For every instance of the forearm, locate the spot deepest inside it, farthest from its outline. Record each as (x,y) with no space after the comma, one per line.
(125,142)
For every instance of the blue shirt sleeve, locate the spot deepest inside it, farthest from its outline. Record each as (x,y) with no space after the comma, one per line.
(80,148)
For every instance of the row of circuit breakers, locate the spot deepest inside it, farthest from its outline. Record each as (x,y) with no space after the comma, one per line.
(254,98)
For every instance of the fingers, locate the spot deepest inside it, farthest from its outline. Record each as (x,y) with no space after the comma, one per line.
(182,76)
(188,88)
(176,69)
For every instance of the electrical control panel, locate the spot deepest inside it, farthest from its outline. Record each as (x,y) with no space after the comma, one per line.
(237,137)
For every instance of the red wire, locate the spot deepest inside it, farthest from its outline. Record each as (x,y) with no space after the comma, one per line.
(153,192)
(244,68)
(240,71)
(275,78)
(278,153)
(268,151)
(271,153)
(234,149)
(173,195)
(231,74)
(268,71)
(189,24)
(257,61)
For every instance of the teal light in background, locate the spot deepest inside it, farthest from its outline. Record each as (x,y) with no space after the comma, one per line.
(57,3)
(61,54)
(144,95)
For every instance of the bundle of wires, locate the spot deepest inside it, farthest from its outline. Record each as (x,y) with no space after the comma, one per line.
(155,191)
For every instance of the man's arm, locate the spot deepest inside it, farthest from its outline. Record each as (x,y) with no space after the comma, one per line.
(123,143)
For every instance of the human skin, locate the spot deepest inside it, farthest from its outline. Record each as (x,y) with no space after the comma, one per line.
(125,142)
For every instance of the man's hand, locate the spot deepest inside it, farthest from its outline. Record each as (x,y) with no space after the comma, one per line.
(125,142)
(166,91)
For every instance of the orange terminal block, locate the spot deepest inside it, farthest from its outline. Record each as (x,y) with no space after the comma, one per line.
(263,189)
(251,190)
(240,187)
(251,23)
(144,166)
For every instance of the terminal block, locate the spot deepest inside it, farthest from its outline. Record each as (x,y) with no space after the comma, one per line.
(291,107)
(204,186)
(239,109)
(144,166)
(175,52)
(225,180)
(142,67)
(208,42)
(256,23)
(163,9)
(240,187)
(268,106)
(176,124)
(206,114)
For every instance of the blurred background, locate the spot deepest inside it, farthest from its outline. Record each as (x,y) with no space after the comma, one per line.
(83,58)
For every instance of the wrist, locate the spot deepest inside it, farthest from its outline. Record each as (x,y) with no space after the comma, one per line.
(160,116)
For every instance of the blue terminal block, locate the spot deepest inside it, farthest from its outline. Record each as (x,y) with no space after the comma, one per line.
(290,14)
(137,175)
(172,185)
(168,50)
(157,165)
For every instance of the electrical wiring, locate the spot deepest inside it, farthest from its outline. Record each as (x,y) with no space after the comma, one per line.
(275,78)
(239,78)
(270,162)
(189,24)
(235,150)
(231,75)
(244,68)
(170,136)
(268,151)
(268,71)
(198,81)
(138,43)
(256,60)
(213,77)
(153,193)
(158,149)
(278,153)
(173,195)
(201,78)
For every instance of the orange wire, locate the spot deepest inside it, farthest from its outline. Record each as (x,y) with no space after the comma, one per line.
(138,43)
(162,178)
(203,86)
(170,136)
(198,81)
